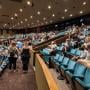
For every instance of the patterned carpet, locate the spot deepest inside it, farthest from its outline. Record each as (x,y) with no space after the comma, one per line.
(18,80)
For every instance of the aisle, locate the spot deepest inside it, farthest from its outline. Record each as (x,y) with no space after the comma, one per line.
(18,80)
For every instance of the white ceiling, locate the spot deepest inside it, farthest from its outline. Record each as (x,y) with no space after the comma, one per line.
(10,7)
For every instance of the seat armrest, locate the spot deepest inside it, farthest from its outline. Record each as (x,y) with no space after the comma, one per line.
(77,76)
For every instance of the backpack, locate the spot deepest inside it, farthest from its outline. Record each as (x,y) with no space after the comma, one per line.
(13,52)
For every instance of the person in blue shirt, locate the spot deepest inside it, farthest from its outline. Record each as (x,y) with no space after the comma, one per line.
(19,44)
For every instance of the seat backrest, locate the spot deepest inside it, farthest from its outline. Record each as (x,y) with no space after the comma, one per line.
(65,61)
(78,52)
(60,58)
(45,51)
(79,69)
(87,76)
(73,51)
(71,64)
(56,56)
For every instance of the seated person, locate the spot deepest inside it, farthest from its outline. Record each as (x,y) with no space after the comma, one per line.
(67,45)
(53,45)
(86,61)
(83,53)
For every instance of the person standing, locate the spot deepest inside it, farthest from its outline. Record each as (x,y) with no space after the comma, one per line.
(13,55)
(25,56)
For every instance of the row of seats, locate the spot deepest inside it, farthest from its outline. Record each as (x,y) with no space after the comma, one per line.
(3,62)
(74,72)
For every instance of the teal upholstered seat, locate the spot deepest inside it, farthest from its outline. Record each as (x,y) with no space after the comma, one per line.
(83,83)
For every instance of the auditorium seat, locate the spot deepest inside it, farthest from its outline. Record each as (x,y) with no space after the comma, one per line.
(78,71)
(70,67)
(83,83)
(78,53)
(64,62)
(72,51)
(58,61)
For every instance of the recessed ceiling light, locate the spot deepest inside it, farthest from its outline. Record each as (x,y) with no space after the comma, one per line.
(15,15)
(37,21)
(12,18)
(21,22)
(65,10)
(49,7)
(28,3)
(18,23)
(44,18)
(84,3)
(26,19)
(81,12)
(51,21)
(21,10)
(46,22)
(0,6)
(32,23)
(71,15)
(53,15)
(38,12)
(31,17)
(56,25)
(5,24)
(63,17)
(28,24)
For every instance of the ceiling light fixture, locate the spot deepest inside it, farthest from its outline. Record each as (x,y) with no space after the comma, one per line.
(49,7)
(12,18)
(65,10)
(21,10)
(46,22)
(51,21)
(15,15)
(32,23)
(53,15)
(26,19)
(31,17)
(44,18)
(28,3)
(0,6)
(71,15)
(21,22)
(37,21)
(63,17)
(84,3)
(56,25)
(38,12)
(18,23)
(28,24)
(81,12)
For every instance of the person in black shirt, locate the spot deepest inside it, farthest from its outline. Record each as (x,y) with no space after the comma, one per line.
(25,56)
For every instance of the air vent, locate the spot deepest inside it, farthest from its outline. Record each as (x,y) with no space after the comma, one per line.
(17,1)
